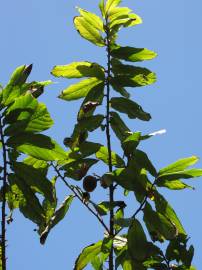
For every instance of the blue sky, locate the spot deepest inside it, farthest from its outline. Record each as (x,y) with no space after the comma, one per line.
(42,33)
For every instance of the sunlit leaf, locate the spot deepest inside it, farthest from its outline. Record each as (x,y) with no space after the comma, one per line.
(88,31)
(87,255)
(92,19)
(172,184)
(37,145)
(78,70)
(132,54)
(80,89)
(103,155)
(179,165)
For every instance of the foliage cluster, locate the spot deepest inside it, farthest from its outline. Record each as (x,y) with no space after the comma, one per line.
(28,155)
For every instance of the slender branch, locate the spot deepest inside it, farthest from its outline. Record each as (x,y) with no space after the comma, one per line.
(99,218)
(3,208)
(166,261)
(111,188)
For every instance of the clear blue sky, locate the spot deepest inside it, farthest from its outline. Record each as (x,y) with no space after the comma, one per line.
(42,33)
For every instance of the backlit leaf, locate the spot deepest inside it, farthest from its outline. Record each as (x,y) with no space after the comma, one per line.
(78,70)
(88,31)
(103,155)
(80,89)
(132,54)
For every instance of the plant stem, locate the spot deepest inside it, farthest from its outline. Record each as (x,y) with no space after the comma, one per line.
(111,188)
(3,208)
(80,199)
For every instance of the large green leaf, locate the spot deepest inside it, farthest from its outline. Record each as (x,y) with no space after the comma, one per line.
(37,145)
(118,126)
(186,174)
(30,206)
(179,165)
(103,155)
(159,223)
(57,217)
(92,19)
(163,207)
(172,184)
(79,70)
(87,255)
(80,89)
(132,54)
(131,76)
(37,164)
(88,31)
(132,109)
(137,241)
(34,179)
(27,115)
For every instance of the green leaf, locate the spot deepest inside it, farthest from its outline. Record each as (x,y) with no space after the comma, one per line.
(131,76)
(122,91)
(88,31)
(102,7)
(30,206)
(92,100)
(118,126)
(163,207)
(186,174)
(41,165)
(34,179)
(132,178)
(111,4)
(79,70)
(132,109)
(144,162)
(92,19)
(87,255)
(57,217)
(172,184)
(38,146)
(27,115)
(14,86)
(179,165)
(158,224)
(137,241)
(119,13)
(89,148)
(130,143)
(78,169)
(103,155)
(80,89)
(104,207)
(126,21)
(89,123)
(132,54)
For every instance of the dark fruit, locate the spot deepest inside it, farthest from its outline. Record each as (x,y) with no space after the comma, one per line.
(89,183)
